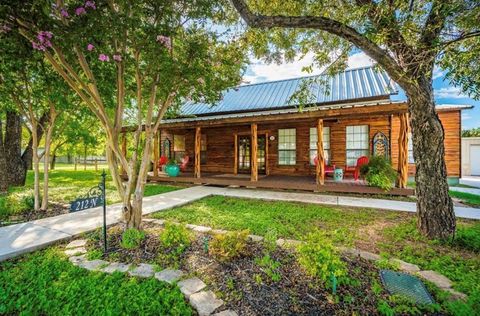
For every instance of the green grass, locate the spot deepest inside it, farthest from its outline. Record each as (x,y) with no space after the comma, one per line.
(288,219)
(467,198)
(391,233)
(66,185)
(46,283)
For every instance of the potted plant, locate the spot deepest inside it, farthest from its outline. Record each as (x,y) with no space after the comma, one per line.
(379,173)
(172,168)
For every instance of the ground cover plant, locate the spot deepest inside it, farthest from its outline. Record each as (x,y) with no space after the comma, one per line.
(392,234)
(264,279)
(66,184)
(46,283)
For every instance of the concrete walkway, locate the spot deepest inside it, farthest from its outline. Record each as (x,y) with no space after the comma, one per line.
(473,181)
(466,190)
(26,237)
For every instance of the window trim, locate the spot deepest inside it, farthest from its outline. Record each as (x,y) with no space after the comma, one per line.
(287,150)
(367,148)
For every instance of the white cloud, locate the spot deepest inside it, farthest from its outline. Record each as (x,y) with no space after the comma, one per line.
(260,71)
(466,116)
(437,73)
(359,60)
(449,92)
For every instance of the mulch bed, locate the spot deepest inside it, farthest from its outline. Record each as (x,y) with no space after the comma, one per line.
(31,215)
(237,282)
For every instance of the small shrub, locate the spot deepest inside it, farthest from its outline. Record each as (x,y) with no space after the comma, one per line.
(320,259)
(229,245)
(174,240)
(270,241)
(28,202)
(270,267)
(132,238)
(379,173)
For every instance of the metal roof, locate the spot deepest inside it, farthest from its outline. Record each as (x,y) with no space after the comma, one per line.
(353,84)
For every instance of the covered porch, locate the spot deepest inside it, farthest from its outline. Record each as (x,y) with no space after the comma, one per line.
(287,150)
(279,182)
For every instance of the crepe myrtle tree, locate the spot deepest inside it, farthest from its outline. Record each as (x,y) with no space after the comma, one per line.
(407,39)
(132,56)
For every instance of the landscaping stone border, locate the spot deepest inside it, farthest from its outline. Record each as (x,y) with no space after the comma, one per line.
(203,301)
(436,278)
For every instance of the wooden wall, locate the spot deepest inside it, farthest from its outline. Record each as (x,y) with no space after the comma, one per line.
(451,122)
(220,143)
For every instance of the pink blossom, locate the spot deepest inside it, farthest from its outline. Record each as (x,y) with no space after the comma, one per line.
(90,47)
(80,11)
(117,57)
(103,57)
(90,4)
(38,46)
(165,41)
(64,13)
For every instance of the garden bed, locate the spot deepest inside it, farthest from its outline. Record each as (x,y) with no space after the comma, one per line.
(263,279)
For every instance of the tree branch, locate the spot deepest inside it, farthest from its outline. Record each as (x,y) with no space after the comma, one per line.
(328,25)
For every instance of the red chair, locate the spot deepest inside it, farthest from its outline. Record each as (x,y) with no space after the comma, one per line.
(327,170)
(363,160)
(162,162)
(184,163)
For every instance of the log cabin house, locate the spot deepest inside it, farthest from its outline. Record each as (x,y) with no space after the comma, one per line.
(257,136)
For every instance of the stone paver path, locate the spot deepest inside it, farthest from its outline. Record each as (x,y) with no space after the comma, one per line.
(26,237)
(205,302)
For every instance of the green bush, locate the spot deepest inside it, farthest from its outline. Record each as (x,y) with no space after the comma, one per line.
(174,240)
(379,173)
(229,245)
(270,267)
(46,283)
(132,238)
(319,258)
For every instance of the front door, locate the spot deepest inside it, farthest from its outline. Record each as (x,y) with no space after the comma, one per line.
(244,154)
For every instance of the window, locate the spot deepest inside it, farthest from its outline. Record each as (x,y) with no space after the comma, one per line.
(313,144)
(357,143)
(410,149)
(203,149)
(287,145)
(178,147)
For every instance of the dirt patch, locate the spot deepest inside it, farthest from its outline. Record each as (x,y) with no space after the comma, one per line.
(31,215)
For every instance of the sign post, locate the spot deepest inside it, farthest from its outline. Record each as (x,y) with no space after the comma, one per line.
(104,175)
(95,197)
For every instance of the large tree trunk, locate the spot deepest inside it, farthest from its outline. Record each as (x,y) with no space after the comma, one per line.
(436,217)
(3,163)
(16,169)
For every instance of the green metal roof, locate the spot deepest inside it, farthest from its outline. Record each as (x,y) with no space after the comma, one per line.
(354,84)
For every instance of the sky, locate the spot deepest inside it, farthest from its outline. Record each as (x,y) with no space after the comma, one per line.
(445,93)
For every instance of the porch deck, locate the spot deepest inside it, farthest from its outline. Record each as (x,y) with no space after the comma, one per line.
(303,183)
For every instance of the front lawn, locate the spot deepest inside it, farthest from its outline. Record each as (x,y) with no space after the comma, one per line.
(46,283)
(65,185)
(385,232)
(467,198)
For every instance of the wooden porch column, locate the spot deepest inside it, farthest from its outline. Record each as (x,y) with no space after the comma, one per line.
(320,168)
(155,153)
(235,154)
(253,162)
(403,151)
(198,141)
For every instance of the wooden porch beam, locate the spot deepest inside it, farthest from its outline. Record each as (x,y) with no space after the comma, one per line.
(198,141)
(358,112)
(320,168)
(254,149)
(403,151)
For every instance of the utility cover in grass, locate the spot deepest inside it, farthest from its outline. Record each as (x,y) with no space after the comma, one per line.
(406,285)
